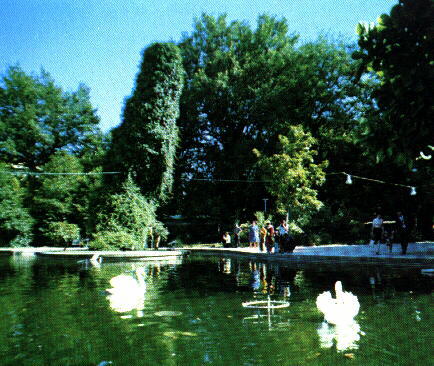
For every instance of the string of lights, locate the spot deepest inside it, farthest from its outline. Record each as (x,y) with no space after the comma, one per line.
(349,178)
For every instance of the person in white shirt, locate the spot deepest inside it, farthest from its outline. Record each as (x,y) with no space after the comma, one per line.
(377,231)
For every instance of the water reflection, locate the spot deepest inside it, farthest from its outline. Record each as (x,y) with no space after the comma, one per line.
(346,335)
(339,325)
(192,315)
(271,290)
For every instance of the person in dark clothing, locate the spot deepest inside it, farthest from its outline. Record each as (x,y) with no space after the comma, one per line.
(269,240)
(237,232)
(402,231)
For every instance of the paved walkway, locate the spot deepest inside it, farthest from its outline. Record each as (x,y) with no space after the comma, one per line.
(417,253)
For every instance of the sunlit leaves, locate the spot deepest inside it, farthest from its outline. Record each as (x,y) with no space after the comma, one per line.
(292,175)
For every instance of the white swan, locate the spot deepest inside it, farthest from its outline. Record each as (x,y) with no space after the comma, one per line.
(340,310)
(127,292)
(96,260)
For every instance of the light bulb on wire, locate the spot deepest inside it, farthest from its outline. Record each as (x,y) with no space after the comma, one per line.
(349,180)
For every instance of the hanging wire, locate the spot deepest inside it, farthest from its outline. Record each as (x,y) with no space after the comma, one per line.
(349,178)
(373,180)
(48,173)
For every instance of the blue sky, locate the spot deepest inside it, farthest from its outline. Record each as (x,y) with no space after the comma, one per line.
(99,42)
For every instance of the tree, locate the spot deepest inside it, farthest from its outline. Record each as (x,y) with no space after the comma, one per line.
(292,175)
(245,87)
(399,52)
(63,232)
(128,215)
(55,198)
(37,118)
(71,192)
(146,141)
(15,220)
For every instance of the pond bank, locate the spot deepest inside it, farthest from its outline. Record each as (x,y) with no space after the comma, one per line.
(84,253)
(417,254)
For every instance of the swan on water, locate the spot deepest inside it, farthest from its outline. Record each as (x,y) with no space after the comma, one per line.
(339,310)
(127,292)
(96,260)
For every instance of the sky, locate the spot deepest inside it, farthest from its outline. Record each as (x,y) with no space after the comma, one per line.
(100,42)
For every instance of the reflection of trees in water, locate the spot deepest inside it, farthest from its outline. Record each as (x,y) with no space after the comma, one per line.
(49,318)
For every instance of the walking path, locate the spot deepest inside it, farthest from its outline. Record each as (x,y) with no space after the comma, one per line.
(417,253)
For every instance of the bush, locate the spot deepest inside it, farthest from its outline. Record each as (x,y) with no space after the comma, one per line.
(61,231)
(20,241)
(113,240)
(129,220)
(15,221)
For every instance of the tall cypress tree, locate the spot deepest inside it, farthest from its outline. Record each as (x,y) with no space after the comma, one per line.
(145,143)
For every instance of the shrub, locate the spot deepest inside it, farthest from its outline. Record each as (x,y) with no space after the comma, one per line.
(131,216)
(15,221)
(61,231)
(113,240)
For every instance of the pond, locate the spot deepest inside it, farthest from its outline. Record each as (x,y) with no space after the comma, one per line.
(191,313)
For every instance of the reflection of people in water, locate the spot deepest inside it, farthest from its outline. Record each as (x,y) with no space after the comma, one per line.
(284,280)
(226,265)
(255,280)
(381,285)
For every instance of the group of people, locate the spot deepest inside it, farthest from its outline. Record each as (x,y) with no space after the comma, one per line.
(399,231)
(264,238)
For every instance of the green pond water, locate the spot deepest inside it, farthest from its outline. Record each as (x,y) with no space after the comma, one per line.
(59,313)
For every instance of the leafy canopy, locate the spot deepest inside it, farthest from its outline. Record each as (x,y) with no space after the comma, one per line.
(37,118)
(292,175)
(399,51)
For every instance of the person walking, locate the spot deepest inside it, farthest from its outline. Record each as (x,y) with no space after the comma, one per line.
(377,231)
(402,229)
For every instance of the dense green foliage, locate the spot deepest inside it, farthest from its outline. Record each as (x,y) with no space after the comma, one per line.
(245,88)
(400,51)
(145,143)
(37,118)
(61,231)
(230,115)
(292,176)
(15,220)
(130,215)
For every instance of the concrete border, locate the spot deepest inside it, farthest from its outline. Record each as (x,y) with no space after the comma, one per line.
(114,255)
(419,254)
